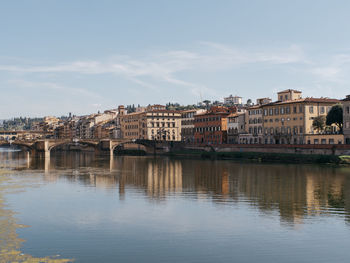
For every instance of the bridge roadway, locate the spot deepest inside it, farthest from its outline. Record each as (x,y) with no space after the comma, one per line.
(45,146)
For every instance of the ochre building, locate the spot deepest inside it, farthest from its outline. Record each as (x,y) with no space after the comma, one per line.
(211,127)
(289,120)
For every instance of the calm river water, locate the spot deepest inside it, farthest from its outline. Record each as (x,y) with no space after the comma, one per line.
(85,208)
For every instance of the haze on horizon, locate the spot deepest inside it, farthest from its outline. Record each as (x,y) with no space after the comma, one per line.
(83,56)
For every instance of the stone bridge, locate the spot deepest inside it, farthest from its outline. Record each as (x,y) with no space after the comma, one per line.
(100,146)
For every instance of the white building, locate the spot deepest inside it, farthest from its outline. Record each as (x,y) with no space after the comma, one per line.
(233,100)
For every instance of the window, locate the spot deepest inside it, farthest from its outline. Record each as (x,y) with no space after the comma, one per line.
(295,130)
(347,110)
(311,109)
(315,141)
(322,110)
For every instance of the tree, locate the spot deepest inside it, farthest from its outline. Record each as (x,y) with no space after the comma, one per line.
(335,116)
(319,123)
(249,102)
(206,102)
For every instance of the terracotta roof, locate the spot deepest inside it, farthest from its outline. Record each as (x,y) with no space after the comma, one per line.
(164,111)
(191,110)
(235,114)
(255,107)
(289,90)
(315,100)
(132,113)
(321,100)
(212,113)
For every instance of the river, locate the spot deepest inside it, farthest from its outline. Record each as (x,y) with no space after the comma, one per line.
(85,208)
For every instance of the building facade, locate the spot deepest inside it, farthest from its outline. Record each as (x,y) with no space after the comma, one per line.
(86,126)
(233,100)
(253,133)
(235,127)
(187,124)
(152,124)
(290,119)
(211,126)
(253,126)
(346,119)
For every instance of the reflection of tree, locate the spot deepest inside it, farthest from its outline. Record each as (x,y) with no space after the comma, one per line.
(10,243)
(337,201)
(294,191)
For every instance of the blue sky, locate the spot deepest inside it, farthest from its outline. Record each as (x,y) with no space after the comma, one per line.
(83,56)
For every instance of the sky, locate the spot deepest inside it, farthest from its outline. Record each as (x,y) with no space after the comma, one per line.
(83,56)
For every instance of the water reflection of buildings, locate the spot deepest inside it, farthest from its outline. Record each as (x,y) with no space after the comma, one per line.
(156,177)
(295,192)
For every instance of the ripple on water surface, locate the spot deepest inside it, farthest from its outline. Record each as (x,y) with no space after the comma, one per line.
(145,209)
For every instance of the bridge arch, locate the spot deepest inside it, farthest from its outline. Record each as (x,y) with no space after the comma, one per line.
(121,144)
(142,145)
(55,145)
(22,146)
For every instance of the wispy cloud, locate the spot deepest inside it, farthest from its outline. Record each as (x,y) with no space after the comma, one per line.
(164,66)
(51,86)
(335,69)
(235,56)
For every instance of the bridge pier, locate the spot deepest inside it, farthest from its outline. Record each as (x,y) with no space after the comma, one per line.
(106,147)
(41,148)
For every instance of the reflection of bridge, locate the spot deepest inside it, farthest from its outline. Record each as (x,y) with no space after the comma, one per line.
(100,146)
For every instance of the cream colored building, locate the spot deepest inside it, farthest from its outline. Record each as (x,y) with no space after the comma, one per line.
(289,120)
(187,124)
(324,139)
(86,126)
(253,126)
(254,123)
(153,124)
(235,127)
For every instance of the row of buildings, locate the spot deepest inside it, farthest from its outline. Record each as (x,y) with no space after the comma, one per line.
(288,120)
